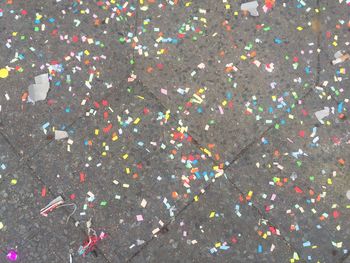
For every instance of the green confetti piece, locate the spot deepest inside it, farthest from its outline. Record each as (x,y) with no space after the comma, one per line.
(103,203)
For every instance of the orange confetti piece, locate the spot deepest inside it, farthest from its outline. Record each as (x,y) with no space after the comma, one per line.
(341,161)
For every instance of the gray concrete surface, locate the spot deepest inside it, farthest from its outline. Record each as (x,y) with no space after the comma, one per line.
(192,131)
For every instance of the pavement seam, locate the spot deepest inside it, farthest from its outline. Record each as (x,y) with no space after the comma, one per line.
(240,154)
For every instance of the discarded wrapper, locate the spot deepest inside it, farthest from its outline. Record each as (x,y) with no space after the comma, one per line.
(340,57)
(251,7)
(39,90)
(57,203)
(59,135)
(89,244)
(52,205)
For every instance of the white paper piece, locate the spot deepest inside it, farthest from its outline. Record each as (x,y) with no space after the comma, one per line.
(251,7)
(39,90)
(321,114)
(340,57)
(59,135)
(348,194)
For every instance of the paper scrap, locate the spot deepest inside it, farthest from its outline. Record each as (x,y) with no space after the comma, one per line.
(39,90)
(340,57)
(251,7)
(321,114)
(59,135)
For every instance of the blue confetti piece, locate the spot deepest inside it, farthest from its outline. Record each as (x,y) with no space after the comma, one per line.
(278,40)
(340,107)
(45,125)
(260,249)
(224,247)
(307,70)
(306,244)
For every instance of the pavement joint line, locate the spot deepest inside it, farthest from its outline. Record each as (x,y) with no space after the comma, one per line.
(241,153)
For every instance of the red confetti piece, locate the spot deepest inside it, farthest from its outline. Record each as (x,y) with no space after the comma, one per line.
(108,128)
(82,177)
(298,190)
(336,213)
(43,191)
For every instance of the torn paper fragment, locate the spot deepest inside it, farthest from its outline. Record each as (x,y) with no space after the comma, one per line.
(251,7)
(59,135)
(321,114)
(340,57)
(39,90)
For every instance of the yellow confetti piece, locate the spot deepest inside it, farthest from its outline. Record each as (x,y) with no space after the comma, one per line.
(97,131)
(300,28)
(14,181)
(127,170)
(137,121)
(86,52)
(212,214)
(329,181)
(196,198)
(218,244)
(4,73)
(206,151)
(125,156)
(264,236)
